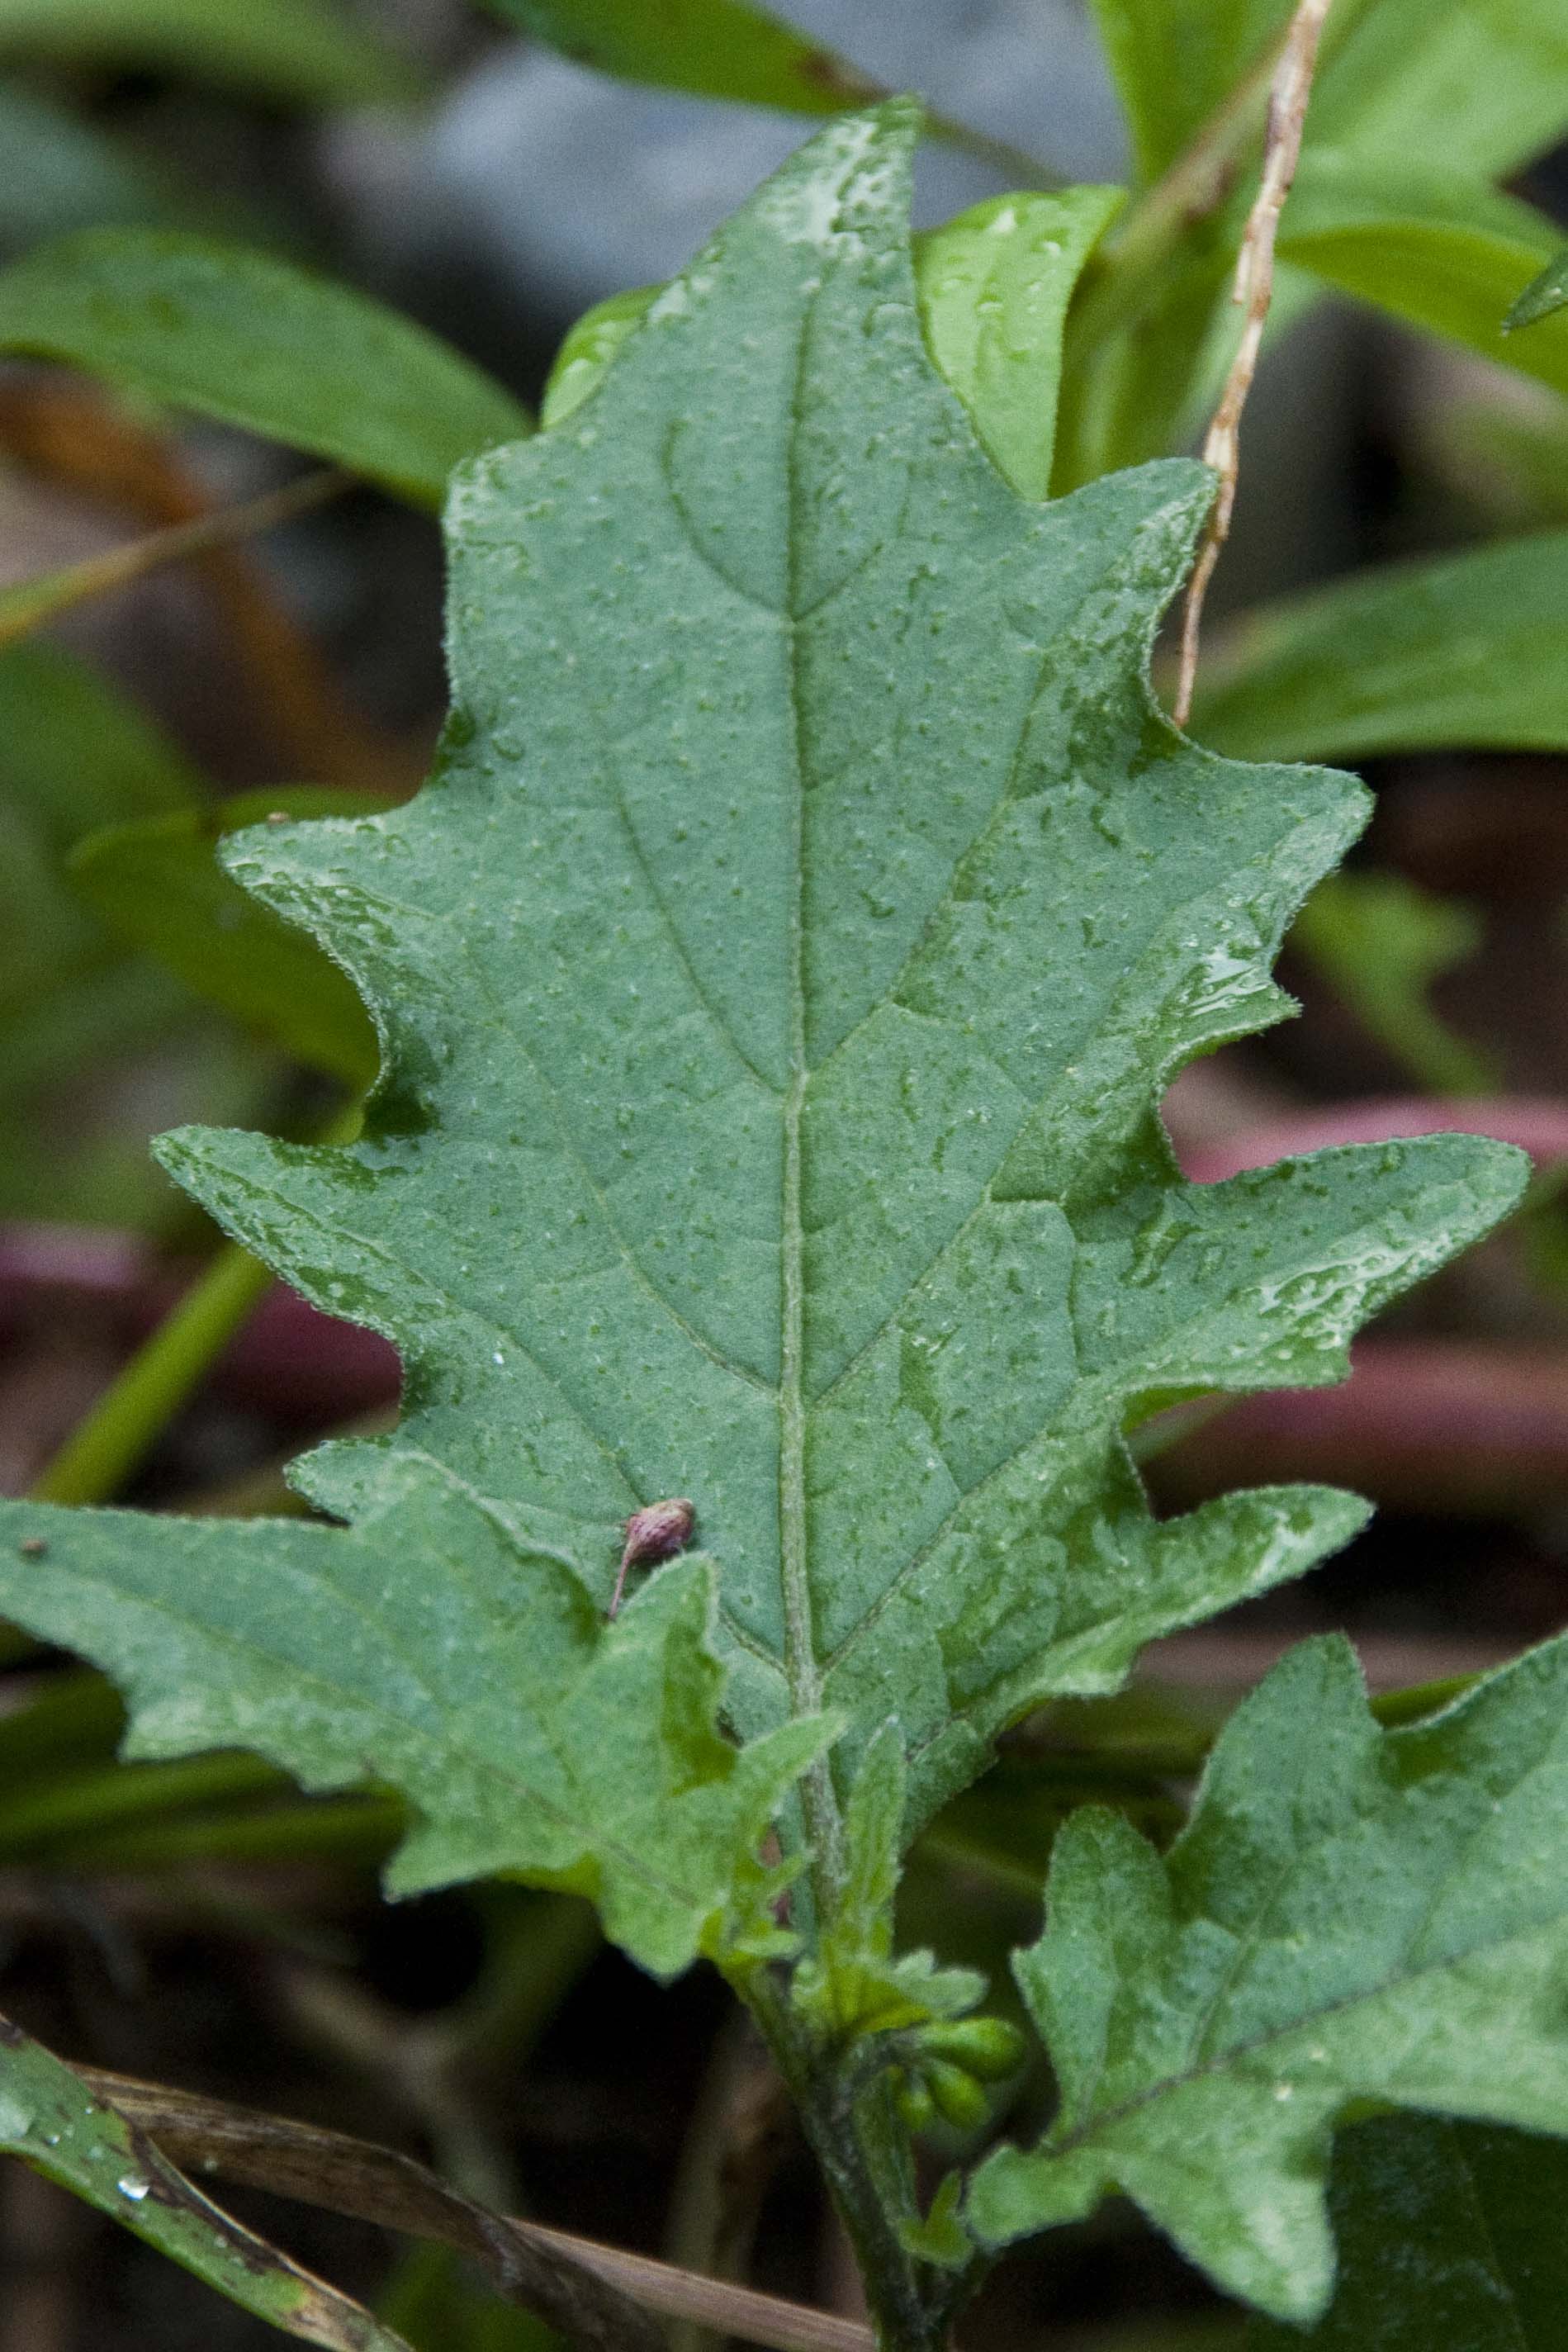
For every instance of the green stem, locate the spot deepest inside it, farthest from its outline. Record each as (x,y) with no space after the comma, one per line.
(136,1408)
(911,2308)
(1018,167)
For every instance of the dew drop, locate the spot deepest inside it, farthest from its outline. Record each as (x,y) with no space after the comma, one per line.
(131,2185)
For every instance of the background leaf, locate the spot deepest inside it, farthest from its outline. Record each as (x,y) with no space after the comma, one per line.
(304,52)
(1442,252)
(1350,1915)
(1448,2233)
(995,284)
(1544,295)
(1493,73)
(236,334)
(1381,942)
(75,755)
(57,173)
(1460,651)
(157,884)
(48,2117)
(715,49)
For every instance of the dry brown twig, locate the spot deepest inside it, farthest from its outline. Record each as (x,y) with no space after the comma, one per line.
(77,438)
(1253,291)
(598,2295)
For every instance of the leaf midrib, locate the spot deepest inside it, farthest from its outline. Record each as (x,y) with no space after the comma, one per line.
(801,1665)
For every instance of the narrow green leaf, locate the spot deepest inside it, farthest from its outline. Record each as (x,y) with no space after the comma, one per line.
(1175,60)
(995,284)
(1503,458)
(1440,250)
(236,334)
(57,173)
(303,52)
(157,884)
(1484,86)
(1544,295)
(80,754)
(777,983)
(1463,651)
(73,755)
(1448,2234)
(1350,1915)
(50,2119)
(588,349)
(717,48)
(1489,79)
(1381,943)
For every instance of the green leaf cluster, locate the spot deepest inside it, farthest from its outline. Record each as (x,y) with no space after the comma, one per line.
(769,1000)
(774,991)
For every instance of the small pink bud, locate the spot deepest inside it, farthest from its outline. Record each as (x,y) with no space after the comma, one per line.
(658,1531)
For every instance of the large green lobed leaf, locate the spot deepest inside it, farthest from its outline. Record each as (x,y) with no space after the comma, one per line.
(776,984)
(1349,1916)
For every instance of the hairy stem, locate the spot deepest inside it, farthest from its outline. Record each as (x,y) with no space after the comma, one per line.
(911,2305)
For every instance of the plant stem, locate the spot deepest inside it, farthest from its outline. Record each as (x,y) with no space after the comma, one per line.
(1019,169)
(31,602)
(138,1405)
(1290,91)
(910,2312)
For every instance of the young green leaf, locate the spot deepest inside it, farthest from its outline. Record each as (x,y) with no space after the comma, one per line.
(237,334)
(157,884)
(1546,294)
(50,2119)
(1446,2234)
(1453,651)
(715,49)
(776,986)
(588,349)
(303,52)
(1349,1916)
(433,1650)
(995,284)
